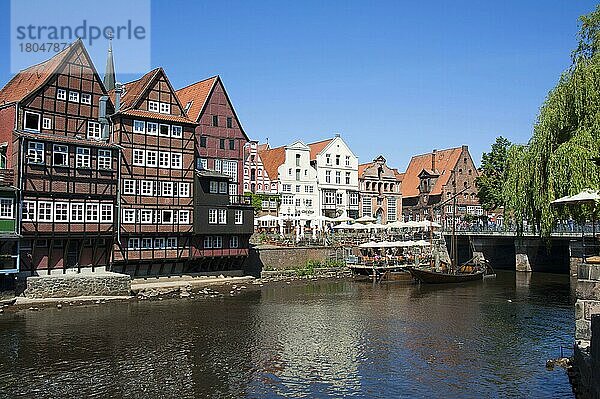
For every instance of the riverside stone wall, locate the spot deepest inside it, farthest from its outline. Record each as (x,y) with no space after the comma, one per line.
(72,285)
(286,258)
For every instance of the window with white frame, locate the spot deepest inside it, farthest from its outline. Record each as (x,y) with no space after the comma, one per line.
(106,213)
(234,242)
(329,197)
(6,208)
(391,209)
(128,215)
(91,212)
(151,158)
(308,203)
(28,211)
(165,108)
(146,216)
(83,158)
(104,159)
(338,179)
(212,216)
(44,211)
(222,216)
(133,243)
(202,163)
(214,187)
(223,187)
(152,129)
(327,176)
(208,242)
(287,188)
(164,130)
(86,98)
(153,106)
(77,212)
(218,165)
(328,159)
(146,243)
(31,121)
(353,198)
(176,160)
(60,155)
(35,152)
(167,189)
(239,216)
(128,186)
(61,212)
(147,187)
(184,190)
(61,94)
(367,206)
(297,201)
(74,96)
(230,168)
(176,131)
(217,242)
(339,198)
(171,243)
(167,216)
(347,160)
(138,157)
(47,123)
(163,159)
(94,130)
(287,200)
(348,178)
(139,126)
(184,217)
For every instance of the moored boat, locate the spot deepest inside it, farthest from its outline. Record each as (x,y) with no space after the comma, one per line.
(429,276)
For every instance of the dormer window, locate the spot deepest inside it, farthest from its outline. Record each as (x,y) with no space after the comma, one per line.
(32,121)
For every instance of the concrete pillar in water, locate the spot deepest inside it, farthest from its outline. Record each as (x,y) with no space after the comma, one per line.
(522,261)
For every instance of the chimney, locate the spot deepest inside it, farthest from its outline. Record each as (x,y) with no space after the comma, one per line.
(338,135)
(118,92)
(433,154)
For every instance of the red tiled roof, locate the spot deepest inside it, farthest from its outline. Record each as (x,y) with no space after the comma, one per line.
(197,93)
(362,167)
(445,161)
(155,115)
(31,79)
(316,148)
(263,147)
(272,159)
(134,89)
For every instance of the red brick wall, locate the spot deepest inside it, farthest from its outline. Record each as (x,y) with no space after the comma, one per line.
(7,124)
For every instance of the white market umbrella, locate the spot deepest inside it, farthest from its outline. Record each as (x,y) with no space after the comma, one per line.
(586,195)
(342,218)
(377,226)
(370,244)
(324,219)
(365,219)
(421,243)
(342,226)
(358,226)
(397,225)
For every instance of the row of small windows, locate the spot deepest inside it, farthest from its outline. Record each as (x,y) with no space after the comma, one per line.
(74,96)
(222,143)
(60,156)
(152,243)
(215,121)
(32,123)
(77,212)
(154,188)
(338,177)
(337,198)
(153,216)
(161,159)
(287,188)
(218,187)
(219,216)
(289,200)
(211,242)
(337,159)
(157,129)
(260,187)
(378,186)
(160,107)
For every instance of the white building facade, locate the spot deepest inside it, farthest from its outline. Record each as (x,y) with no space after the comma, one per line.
(337,174)
(256,178)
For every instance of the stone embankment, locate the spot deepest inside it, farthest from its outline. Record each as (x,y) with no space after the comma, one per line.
(77,285)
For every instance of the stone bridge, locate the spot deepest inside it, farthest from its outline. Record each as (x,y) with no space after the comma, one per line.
(559,253)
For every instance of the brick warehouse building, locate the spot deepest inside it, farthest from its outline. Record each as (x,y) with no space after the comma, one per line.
(100,189)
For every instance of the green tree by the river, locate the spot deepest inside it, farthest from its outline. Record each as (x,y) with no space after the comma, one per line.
(493,175)
(558,160)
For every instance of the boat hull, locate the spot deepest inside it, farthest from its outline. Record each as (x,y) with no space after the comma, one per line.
(431,277)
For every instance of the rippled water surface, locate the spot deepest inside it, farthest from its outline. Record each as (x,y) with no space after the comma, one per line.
(316,340)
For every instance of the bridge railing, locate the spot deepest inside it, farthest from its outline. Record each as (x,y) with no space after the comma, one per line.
(563,229)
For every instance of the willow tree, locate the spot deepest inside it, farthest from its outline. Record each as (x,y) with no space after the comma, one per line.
(557,161)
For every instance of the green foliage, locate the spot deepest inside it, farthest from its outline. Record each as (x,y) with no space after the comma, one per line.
(558,158)
(257,199)
(493,175)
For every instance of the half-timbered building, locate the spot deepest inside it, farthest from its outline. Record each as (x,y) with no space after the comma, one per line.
(156,176)
(52,117)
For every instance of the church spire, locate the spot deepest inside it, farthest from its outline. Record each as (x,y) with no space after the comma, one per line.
(109,73)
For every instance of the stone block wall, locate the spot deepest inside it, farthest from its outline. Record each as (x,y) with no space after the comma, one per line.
(286,258)
(72,285)
(588,301)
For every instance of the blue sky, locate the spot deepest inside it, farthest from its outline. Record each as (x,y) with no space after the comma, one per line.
(394,78)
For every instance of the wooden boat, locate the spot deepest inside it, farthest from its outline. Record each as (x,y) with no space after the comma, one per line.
(433,277)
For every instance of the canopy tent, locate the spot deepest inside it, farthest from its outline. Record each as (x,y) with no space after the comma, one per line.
(323,218)
(343,226)
(365,219)
(586,196)
(422,243)
(342,218)
(370,244)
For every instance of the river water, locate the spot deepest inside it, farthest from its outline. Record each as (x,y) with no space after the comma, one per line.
(321,339)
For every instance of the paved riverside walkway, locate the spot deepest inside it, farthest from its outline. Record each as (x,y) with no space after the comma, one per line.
(153,283)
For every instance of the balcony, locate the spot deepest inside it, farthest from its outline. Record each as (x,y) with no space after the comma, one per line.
(7,177)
